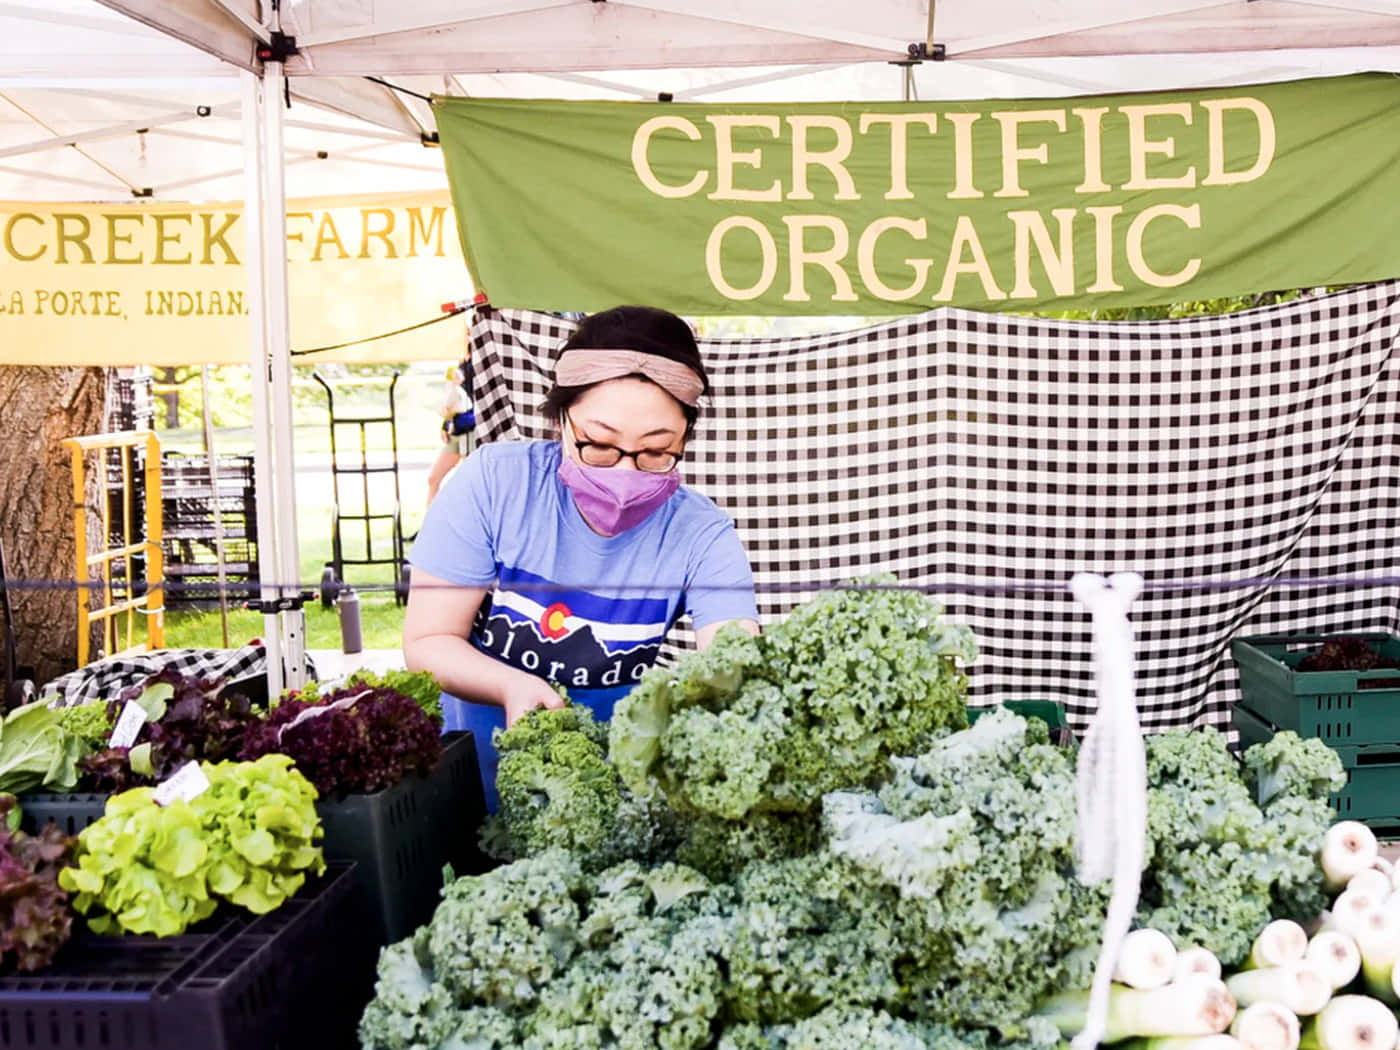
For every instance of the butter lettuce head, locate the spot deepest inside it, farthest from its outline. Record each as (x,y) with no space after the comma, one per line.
(250,839)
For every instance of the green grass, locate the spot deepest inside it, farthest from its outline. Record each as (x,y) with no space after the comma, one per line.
(381,620)
(306,439)
(381,626)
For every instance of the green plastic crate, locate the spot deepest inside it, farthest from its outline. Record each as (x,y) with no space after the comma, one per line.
(1342,708)
(1372,791)
(1048,711)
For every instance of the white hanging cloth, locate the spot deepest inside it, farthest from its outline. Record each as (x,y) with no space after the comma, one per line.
(1112,833)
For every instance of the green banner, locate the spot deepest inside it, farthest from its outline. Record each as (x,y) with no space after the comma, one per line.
(887,208)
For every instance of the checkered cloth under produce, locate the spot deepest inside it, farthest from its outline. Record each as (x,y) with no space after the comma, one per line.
(986,458)
(104,679)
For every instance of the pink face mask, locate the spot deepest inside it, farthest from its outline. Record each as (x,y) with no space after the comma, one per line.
(615,500)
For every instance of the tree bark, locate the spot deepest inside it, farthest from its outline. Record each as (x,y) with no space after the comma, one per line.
(40,407)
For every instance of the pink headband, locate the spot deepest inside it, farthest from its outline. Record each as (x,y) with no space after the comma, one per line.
(586,366)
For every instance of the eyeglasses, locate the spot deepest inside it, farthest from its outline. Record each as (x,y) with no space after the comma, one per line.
(597,454)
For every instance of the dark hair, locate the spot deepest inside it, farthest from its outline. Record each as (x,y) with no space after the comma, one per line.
(643,328)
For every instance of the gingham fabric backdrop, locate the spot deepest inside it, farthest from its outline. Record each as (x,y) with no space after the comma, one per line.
(986,458)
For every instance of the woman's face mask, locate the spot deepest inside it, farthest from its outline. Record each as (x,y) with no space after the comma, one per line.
(614,499)
(622,447)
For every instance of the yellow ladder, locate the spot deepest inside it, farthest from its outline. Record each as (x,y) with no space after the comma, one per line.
(110,610)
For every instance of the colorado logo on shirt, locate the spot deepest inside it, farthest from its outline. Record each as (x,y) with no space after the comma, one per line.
(579,639)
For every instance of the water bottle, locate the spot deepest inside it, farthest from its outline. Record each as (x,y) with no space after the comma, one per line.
(348,605)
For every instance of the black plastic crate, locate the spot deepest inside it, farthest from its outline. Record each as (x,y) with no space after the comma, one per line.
(295,978)
(131,402)
(399,839)
(194,513)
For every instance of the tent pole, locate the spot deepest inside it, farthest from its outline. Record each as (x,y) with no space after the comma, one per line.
(279,350)
(263,486)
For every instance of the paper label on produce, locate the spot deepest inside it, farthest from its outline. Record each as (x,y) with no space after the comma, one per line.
(187,783)
(316,710)
(128,726)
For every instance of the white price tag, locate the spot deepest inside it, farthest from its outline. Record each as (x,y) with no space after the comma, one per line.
(187,783)
(316,710)
(128,726)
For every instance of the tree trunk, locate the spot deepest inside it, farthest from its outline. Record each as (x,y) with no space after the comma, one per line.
(40,407)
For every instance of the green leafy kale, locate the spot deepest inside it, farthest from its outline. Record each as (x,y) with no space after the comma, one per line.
(556,786)
(1220,865)
(973,837)
(821,701)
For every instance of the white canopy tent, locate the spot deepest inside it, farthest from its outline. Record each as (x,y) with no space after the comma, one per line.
(108,93)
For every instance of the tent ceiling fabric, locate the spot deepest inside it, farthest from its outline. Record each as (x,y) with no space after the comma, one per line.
(96,105)
(398,37)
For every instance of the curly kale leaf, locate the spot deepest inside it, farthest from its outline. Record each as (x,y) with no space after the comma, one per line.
(821,701)
(972,844)
(497,939)
(1290,766)
(1220,867)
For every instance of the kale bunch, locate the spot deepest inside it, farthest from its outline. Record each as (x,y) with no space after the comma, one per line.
(1228,853)
(972,844)
(852,1028)
(352,740)
(821,701)
(559,791)
(540,955)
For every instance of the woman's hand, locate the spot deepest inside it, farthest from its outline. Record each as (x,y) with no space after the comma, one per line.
(526,694)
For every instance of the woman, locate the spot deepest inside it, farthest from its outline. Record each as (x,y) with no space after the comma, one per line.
(565,562)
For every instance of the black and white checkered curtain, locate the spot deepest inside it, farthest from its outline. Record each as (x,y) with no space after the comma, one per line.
(987,458)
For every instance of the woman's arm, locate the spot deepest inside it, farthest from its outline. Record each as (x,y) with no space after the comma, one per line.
(706,634)
(446,460)
(436,627)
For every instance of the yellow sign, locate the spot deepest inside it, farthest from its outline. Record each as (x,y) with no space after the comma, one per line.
(166,284)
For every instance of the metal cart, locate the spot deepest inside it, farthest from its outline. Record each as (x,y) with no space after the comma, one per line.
(333,577)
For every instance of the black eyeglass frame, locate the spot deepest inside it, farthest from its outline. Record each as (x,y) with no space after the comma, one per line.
(580,444)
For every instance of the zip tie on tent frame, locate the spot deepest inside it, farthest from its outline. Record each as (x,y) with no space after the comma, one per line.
(844,584)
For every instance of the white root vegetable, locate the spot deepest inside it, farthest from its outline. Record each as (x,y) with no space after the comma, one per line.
(1350,910)
(1336,955)
(1300,986)
(1281,941)
(1378,939)
(1372,881)
(1195,1006)
(1146,959)
(1348,847)
(1183,1042)
(1197,962)
(1351,1022)
(1267,1026)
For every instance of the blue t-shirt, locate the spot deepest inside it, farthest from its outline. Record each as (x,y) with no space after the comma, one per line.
(587,611)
